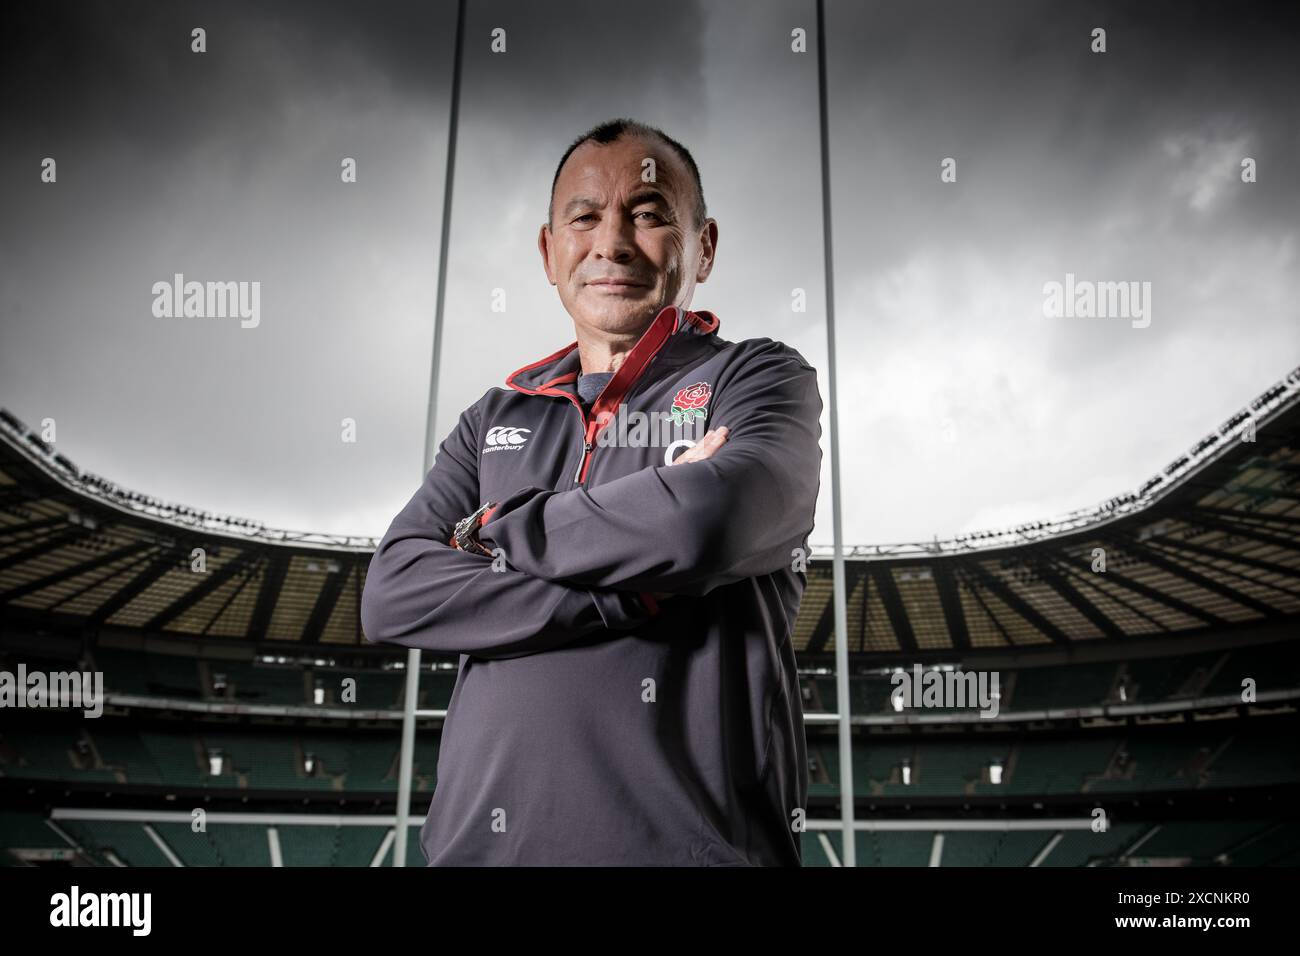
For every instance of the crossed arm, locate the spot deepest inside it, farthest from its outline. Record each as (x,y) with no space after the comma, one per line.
(574,561)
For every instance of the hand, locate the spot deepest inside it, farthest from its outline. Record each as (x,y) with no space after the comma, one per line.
(711,442)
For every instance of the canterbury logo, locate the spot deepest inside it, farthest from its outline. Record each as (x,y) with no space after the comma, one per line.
(505,438)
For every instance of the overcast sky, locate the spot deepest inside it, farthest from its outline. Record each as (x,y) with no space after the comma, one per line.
(961,406)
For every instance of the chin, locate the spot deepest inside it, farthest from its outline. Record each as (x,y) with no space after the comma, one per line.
(622,316)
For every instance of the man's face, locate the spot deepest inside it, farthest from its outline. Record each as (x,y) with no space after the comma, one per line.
(609,225)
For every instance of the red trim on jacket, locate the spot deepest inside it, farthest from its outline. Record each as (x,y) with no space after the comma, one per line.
(666,324)
(571,377)
(705,325)
(546,387)
(606,404)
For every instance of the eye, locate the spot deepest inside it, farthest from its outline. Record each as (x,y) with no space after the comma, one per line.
(585,215)
(648,213)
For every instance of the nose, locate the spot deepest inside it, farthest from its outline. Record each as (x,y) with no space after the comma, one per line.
(613,239)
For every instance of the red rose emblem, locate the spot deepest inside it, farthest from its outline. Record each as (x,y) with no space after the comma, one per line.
(696,396)
(689,404)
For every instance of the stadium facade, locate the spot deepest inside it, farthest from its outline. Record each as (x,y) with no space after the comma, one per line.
(1141,659)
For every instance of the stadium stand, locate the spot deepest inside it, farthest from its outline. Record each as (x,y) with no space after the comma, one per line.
(1162,690)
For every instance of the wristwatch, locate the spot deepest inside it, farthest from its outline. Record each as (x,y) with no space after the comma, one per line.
(465,536)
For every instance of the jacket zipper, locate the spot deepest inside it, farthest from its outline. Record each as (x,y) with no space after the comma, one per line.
(586,441)
(589,427)
(587,430)
(582,462)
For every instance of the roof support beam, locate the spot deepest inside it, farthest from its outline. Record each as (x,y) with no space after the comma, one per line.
(1154,558)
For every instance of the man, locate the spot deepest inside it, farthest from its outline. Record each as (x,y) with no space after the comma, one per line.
(627,692)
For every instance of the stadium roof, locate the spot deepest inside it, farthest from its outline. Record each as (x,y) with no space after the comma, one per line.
(1210,543)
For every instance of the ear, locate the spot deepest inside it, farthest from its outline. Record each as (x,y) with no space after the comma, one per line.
(708,249)
(544,247)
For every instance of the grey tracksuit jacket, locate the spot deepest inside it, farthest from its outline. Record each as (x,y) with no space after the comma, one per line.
(590,724)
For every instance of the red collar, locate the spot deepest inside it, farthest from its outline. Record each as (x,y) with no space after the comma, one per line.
(561,368)
(545,376)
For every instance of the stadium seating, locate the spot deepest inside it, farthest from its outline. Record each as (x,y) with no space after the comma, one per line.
(149,751)
(154,675)
(1198,842)
(1271,666)
(1249,760)
(25,829)
(106,840)
(1081,847)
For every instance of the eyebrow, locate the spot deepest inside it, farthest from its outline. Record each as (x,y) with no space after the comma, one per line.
(644,196)
(648,195)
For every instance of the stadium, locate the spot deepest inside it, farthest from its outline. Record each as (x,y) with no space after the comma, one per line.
(1146,655)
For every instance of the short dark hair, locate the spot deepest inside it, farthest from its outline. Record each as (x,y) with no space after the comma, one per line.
(611,130)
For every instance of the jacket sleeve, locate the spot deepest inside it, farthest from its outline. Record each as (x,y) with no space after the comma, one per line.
(420,591)
(687,529)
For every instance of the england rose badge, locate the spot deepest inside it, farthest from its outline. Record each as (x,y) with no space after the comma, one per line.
(691,402)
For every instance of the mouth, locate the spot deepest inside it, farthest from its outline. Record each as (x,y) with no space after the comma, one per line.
(617,286)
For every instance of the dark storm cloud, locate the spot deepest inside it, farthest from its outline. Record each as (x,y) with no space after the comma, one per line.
(125,68)
(227,166)
(980,80)
(566,60)
(1120,166)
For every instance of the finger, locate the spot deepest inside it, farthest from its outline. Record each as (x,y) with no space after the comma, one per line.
(711,443)
(695,452)
(686,457)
